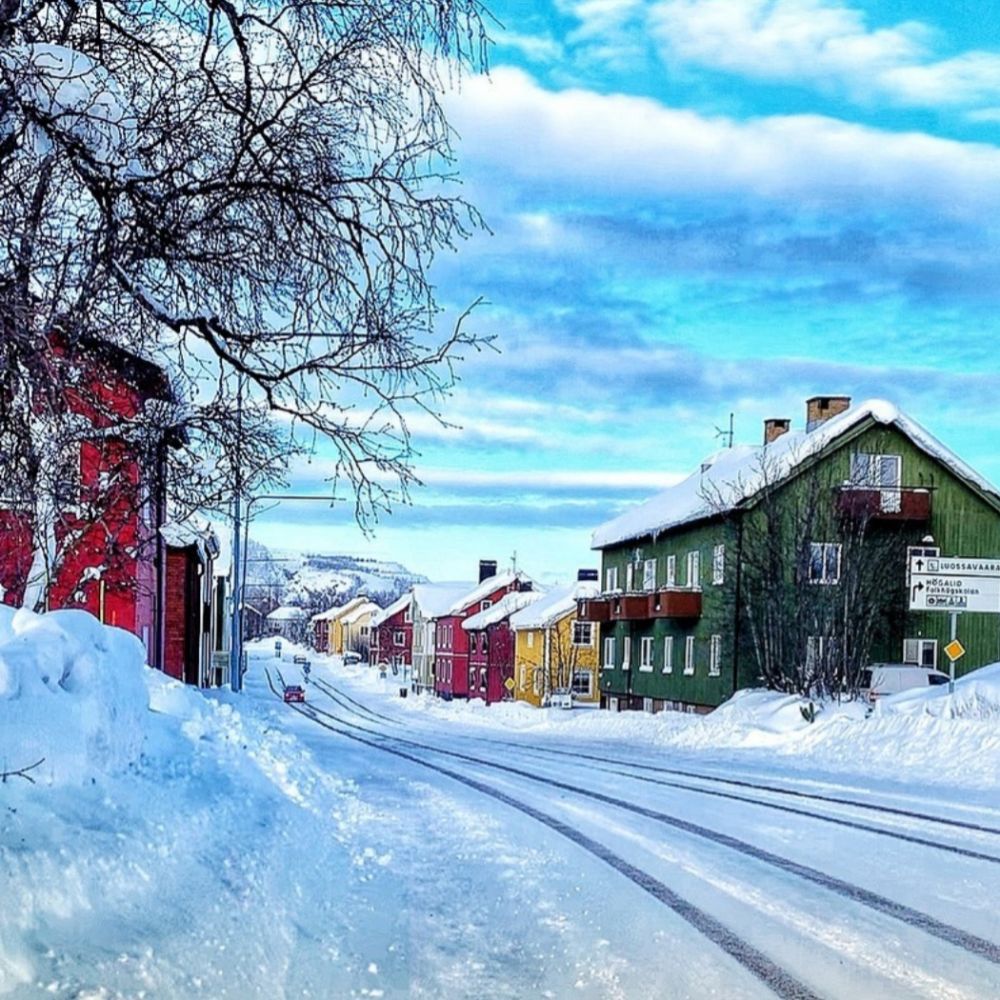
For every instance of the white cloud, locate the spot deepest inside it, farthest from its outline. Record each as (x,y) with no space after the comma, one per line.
(825,43)
(551,479)
(539,48)
(616,143)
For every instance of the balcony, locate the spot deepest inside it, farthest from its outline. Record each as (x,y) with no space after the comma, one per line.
(593,609)
(901,503)
(629,607)
(675,603)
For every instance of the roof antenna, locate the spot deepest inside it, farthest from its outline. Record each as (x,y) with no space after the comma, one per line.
(727,436)
(513,561)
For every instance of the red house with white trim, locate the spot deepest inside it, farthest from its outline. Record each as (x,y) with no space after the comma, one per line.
(451,679)
(391,635)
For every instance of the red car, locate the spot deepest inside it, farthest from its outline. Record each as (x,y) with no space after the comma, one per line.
(294,692)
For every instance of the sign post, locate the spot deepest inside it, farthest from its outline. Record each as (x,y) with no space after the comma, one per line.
(955,585)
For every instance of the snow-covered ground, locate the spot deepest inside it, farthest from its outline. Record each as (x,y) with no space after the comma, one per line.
(178,845)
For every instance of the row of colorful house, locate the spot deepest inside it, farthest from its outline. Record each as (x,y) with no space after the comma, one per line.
(501,638)
(802,543)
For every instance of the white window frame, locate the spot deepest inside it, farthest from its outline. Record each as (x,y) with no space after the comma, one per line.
(668,654)
(627,652)
(608,663)
(913,652)
(879,472)
(689,656)
(629,578)
(408,613)
(589,692)
(399,637)
(719,564)
(649,574)
(671,571)
(583,627)
(824,549)
(531,639)
(486,604)
(610,579)
(694,569)
(646,654)
(715,656)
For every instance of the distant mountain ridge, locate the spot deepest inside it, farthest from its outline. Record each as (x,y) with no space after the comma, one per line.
(316,581)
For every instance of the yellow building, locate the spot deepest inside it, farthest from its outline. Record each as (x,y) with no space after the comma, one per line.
(334,620)
(554,651)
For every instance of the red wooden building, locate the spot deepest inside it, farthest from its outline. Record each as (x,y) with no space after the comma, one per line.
(491,647)
(392,635)
(111,556)
(451,679)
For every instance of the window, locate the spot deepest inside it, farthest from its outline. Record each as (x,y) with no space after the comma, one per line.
(668,655)
(689,655)
(694,569)
(882,472)
(719,564)
(671,571)
(486,604)
(397,661)
(646,654)
(649,574)
(822,651)
(539,681)
(715,656)
(583,633)
(582,683)
(629,578)
(611,578)
(408,614)
(824,562)
(609,653)
(531,640)
(627,652)
(920,651)
(398,637)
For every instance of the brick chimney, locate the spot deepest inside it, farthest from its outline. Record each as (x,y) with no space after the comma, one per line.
(587,576)
(774,427)
(487,568)
(819,409)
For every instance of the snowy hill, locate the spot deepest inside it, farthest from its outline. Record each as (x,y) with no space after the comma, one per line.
(316,581)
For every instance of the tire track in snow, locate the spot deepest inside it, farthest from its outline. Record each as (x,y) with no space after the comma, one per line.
(780,981)
(946,932)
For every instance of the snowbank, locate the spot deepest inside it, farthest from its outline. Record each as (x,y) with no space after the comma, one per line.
(72,694)
(977,696)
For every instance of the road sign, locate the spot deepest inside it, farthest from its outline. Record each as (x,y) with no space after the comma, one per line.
(954,650)
(509,684)
(954,584)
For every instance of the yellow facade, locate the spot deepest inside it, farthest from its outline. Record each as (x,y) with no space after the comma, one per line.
(548,658)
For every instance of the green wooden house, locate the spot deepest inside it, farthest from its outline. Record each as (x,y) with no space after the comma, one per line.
(795,552)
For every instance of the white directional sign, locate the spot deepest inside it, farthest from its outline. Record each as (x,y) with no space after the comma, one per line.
(954,584)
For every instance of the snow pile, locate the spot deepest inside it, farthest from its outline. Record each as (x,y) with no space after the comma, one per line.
(72,694)
(976,697)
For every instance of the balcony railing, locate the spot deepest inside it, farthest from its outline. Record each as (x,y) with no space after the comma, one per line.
(670,602)
(900,503)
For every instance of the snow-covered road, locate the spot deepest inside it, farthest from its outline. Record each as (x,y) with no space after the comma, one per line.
(702,887)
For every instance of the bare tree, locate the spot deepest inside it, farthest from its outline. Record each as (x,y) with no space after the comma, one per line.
(820,575)
(251,198)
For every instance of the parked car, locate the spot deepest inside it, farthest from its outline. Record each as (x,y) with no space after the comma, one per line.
(880,679)
(351,656)
(560,698)
(294,692)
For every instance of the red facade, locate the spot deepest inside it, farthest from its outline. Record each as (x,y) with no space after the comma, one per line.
(451,654)
(491,662)
(111,557)
(392,640)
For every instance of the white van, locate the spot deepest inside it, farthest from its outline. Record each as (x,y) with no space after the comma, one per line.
(880,679)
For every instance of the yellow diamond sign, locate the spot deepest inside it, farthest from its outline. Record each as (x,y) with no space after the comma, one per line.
(509,684)
(954,650)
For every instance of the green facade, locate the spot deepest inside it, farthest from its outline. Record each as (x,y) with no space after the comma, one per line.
(963,522)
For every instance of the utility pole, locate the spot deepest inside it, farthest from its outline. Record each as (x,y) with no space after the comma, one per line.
(236,621)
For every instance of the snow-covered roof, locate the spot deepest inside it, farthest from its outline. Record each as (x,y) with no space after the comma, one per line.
(359,612)
(338,610)
(734,475)
(484,589)
(400,604)
(434,599)
(191,531)
(506,606)
(286,613)
(554,605)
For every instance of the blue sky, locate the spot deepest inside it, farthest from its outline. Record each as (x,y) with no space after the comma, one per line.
(697,208)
